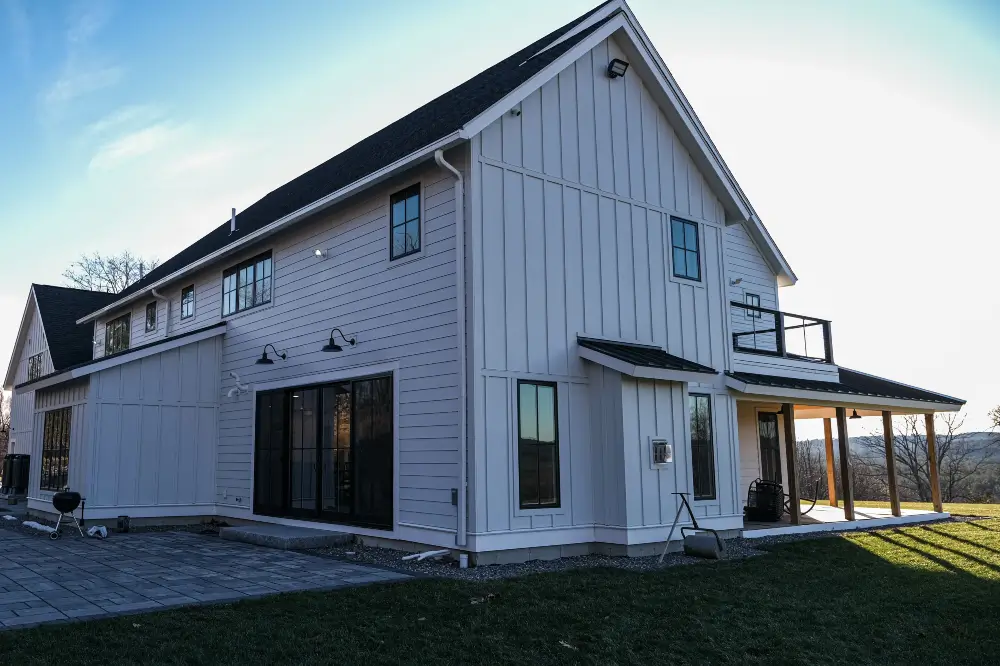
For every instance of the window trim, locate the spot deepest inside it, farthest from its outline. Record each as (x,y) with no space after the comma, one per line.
(235,270)
(539,509)
(192,290)
(152,305)
(37,358)
(127,318)
(405,193)
(698,252)
(711,449)
(752,314)
(64,415)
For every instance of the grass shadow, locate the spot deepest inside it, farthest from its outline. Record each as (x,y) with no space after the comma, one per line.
(913,549)
(960,553)
(978,524)
(968,542)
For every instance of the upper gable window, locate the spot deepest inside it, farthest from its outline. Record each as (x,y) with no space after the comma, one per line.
(187,302)
(247,285)
(686,253)
(116,334)
(151,317)
(754,300)
(404,225)
(34,366)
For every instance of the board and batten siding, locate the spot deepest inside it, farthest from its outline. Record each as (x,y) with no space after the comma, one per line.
(73,395)
(401,312)
(22,404)
(571,234)
(154,432)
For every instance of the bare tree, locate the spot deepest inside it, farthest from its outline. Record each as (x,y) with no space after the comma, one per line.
(4,423)
(960,458)
(111,273)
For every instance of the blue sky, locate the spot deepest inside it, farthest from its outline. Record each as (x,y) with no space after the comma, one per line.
(864,133)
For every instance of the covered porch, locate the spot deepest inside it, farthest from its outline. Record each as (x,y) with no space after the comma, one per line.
(768,408)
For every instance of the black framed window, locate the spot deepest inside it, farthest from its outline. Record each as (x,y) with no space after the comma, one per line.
(247,285)
(404,224)
(55,449)
(537,445)
(686,255)
(187,302)
(116,334)
(702,446)
(151,317)
(34,366)
(752,299)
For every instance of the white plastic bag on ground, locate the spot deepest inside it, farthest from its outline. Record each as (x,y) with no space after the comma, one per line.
(38,526)
(10,517)
(98,532)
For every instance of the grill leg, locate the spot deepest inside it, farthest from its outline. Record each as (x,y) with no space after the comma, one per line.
(77,523)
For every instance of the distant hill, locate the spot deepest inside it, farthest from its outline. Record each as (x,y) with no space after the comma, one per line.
(978,438)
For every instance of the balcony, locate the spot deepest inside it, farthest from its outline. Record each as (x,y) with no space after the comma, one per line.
(758,330)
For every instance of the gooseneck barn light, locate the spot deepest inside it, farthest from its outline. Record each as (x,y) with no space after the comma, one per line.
(332,346)
(854,415)
(264,360)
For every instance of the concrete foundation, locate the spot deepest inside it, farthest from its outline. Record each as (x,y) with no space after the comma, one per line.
(285,537)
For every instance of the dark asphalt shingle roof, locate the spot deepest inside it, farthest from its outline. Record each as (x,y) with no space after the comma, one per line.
(851,382)
(59,308)
(433,121)
(645,356)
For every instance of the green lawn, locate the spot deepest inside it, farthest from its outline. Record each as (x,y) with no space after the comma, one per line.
(919,595)
(954,508)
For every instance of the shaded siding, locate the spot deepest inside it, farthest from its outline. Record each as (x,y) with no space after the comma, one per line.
(34,343)
(743,260)
(22,408)
(154,429)
(402,311)
(749,444)
(571,234)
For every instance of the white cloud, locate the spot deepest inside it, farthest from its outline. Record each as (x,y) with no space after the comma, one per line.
(125,116)
(85,71)
(73,83)
(134,145)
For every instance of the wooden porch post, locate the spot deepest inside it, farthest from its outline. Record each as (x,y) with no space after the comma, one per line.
(847,491)
(890,463)
(831,478)
(788,412)
(933,463)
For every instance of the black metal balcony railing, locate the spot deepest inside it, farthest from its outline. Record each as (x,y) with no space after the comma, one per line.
(758,330)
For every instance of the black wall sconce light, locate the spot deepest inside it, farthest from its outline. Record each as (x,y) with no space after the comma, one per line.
(332,346)
(264,360)
(617,68)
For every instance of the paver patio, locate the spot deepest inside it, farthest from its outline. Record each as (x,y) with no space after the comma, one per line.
(44,580)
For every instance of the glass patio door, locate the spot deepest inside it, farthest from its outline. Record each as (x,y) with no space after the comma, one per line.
(770,447)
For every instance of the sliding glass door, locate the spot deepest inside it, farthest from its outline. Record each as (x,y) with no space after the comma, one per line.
(325,452)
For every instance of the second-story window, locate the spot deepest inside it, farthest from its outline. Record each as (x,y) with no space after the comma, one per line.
(187,302)
(247,285)
(151,317)
(752,299)
(404,223)
(34,367)
(116,334)
(686,255)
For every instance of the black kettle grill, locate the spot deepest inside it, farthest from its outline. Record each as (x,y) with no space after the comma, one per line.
(65,502)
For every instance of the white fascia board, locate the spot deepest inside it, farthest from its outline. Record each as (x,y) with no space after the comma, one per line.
(311,209)
(638,371)
(825,399)
(22,334)
(171,343)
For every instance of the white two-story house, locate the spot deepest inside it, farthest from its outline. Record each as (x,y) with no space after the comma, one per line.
(512,323)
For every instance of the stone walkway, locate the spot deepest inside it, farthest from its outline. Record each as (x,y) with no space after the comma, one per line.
(45,580)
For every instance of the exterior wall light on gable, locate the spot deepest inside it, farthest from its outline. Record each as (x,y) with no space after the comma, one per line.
(332,346)
(320,253)
(617,68)
(264,360)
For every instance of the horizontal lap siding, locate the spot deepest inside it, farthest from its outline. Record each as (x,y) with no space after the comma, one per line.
(34,343)
(744,261)
(571,234)
(155,423)
(400,312)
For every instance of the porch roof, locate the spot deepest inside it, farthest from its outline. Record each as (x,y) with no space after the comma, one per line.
(642,360)
(851,384)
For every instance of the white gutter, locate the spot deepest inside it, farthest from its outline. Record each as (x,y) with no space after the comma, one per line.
(460,298)
(166,324)
(291,218)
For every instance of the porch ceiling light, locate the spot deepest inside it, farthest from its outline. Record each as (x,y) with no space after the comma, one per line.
(332,346)
(617,68)
(264,360)
(854,415)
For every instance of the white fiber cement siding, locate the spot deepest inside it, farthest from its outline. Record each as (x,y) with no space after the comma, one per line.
(402,312)
(571,234)
(74,396)
(22,407)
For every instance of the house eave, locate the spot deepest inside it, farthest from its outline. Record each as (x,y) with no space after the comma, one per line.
(643,372)
(835,399)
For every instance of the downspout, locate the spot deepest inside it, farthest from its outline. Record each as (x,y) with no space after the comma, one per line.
(460,534)
(166,324)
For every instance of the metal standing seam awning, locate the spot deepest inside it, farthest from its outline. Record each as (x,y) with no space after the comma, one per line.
(644,361)
(851,388)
